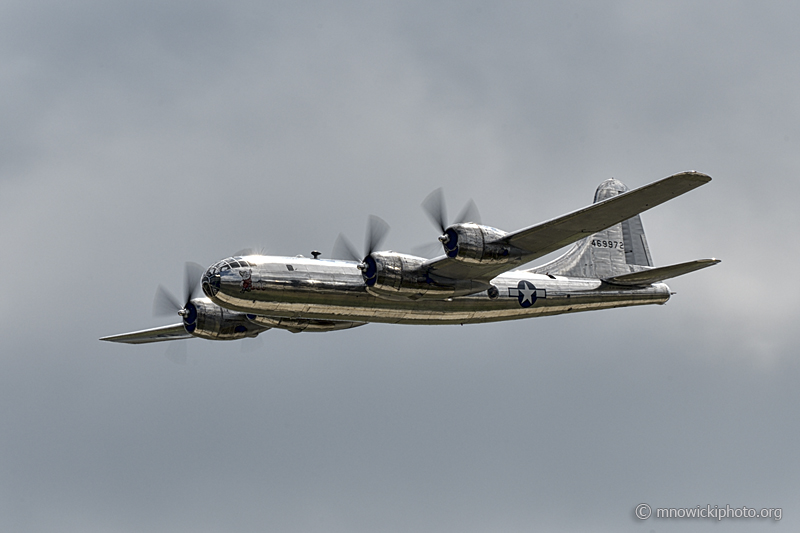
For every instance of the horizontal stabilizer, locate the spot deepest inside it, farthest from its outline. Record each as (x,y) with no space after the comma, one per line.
(163,333)
(654,275)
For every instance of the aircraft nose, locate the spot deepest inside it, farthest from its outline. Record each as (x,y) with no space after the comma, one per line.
(211,281)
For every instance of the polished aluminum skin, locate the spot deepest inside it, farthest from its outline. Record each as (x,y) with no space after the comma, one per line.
(335,290)
(608,265)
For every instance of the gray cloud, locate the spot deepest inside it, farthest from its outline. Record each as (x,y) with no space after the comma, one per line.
(138,136)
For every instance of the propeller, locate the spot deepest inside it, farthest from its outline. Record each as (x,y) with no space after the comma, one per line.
(377,228)
(428,250)
(166,303)
(436,210)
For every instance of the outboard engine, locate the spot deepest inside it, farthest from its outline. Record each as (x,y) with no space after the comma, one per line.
(205,319)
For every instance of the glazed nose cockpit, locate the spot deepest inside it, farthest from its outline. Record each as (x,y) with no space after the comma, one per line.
(213,276)
(211,280)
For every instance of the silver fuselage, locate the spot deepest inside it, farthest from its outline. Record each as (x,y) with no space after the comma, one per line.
(299,287)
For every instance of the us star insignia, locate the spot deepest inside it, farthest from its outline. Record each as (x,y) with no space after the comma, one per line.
(526,293)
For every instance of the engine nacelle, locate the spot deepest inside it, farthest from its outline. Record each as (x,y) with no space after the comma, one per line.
(207,320)
(473,243)
(401,277)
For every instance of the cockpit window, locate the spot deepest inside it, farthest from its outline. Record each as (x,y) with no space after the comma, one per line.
(227,264)
(238,262)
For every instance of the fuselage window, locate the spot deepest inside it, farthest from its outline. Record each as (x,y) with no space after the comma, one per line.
(290,268)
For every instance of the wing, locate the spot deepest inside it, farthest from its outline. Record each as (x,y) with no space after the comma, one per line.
(654,275)
(163,333)
(541,239)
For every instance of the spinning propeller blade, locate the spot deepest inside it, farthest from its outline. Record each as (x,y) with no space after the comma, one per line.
(377,228)
(436,210)
(469,214)
(434,207)
(192,274)
(166,303)
(344,249)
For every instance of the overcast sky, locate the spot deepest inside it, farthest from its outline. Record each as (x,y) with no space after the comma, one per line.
(135,136)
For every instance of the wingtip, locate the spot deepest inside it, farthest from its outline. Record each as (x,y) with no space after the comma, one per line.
(700,176)
(709,262)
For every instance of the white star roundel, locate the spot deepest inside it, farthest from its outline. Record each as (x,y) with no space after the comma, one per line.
(527,293)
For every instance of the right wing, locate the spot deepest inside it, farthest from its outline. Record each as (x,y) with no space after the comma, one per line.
(554,234)
(541,239)
(163,333)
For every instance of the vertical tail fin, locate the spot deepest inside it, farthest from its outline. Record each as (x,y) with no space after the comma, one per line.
(620,249)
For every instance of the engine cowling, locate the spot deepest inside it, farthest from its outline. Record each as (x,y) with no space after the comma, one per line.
(207,320)
(401,277)
(473,243)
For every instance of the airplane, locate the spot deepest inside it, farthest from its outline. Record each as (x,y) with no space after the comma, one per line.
(476,280)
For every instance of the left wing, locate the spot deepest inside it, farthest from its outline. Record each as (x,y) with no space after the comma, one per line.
(541,239)
(163,333)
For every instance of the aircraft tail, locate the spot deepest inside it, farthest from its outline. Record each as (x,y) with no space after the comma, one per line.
(616,251)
